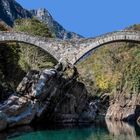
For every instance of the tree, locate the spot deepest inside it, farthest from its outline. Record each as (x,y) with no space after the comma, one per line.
(32,57)
(33,27)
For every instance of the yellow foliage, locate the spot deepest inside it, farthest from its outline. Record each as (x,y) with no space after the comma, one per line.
(102,82)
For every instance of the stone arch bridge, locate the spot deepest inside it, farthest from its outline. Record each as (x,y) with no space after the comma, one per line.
(70,50)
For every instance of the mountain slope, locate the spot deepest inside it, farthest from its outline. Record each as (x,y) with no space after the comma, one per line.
(11,10)
(44,16)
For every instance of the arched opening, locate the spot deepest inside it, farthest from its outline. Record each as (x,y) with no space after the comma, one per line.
(16,59)
(112,68)
(88,53)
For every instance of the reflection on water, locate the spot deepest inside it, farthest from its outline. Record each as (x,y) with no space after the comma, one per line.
(15,132)
(122,130)
(108,131)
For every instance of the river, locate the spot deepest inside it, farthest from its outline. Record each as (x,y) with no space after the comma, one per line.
(99,131)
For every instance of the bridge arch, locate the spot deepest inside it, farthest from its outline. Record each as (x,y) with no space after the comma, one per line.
(87,46)
(47,44)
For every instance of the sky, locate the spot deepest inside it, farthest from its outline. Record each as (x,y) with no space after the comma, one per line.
(90,17)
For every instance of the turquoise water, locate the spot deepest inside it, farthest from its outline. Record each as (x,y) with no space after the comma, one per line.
(112,131)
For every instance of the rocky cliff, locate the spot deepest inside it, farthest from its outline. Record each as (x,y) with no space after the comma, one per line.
(124,107)
(49,96)
(55,95)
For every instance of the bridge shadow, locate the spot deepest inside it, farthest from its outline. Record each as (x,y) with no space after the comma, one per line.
(10,71)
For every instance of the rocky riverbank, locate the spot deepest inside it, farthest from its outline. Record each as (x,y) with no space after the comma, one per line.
(124,107)
(49,95)
(55,95)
